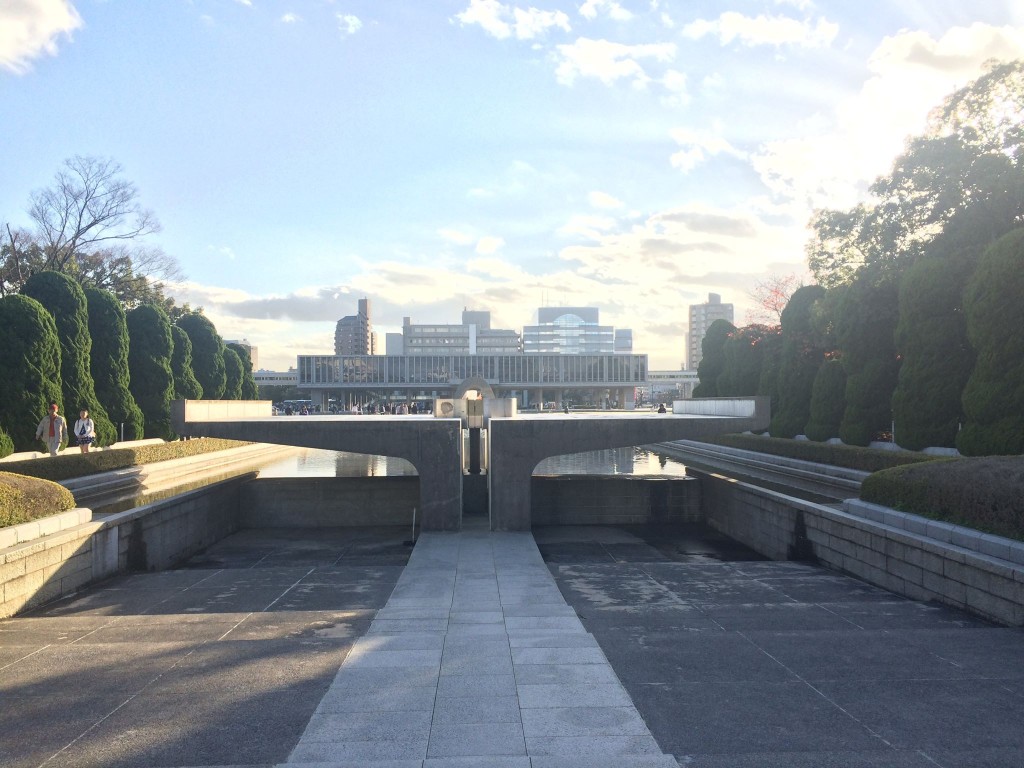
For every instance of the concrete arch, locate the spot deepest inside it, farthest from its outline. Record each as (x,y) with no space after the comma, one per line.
(477,383)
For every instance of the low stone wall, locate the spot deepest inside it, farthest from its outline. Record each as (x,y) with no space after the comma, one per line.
(313,502)
(613,500)
(906,554)
(54,563)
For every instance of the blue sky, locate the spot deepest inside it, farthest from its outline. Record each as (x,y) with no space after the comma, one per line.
(441,154)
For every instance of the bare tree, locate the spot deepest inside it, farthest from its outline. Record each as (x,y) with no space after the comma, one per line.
(770,297)
(87,208)
(19,257)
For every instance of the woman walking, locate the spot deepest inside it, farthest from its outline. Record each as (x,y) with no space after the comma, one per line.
(85,431)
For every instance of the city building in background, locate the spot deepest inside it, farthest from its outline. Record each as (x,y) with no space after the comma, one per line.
(623,341)
(289,378)
(571,331)
(701,318)
(536,380)
(254,352)
(354,333)
(473,336)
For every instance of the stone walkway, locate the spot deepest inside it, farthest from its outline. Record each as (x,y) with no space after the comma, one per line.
(477,660)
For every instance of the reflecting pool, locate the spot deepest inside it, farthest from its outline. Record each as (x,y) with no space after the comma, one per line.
(612,461)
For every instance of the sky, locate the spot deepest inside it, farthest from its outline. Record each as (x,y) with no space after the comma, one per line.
(436,155)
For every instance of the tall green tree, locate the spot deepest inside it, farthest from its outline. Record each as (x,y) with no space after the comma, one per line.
(802,354)
(64,299)
(712,359)
(109,362)
(149,361)
(207,354)
(186,386)
(768,384)
(828,401)
(233,375)
(931,337)
(6,444)
(993,399)
(744,355)
(249,389)
(30,373)
(865,327)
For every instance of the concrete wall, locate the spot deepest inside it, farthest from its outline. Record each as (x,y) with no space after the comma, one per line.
(329,501)
(613,500)
(41,568)
(919,559)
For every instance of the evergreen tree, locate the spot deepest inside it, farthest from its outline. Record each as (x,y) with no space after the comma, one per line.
(30,374)
(744,355)
(712,359)
(149,360)
(828,401)
(802,354)
(63,298)
(233,375)
(993,399)
(6,444)
(249,389)
(207,354)
(937,358)
(768,384)
(109,362)
(865,328)
(186,385)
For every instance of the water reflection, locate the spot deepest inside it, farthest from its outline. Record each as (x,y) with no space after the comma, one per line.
(612,461)
(315,463)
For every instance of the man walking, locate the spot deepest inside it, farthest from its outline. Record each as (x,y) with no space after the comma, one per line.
(52,430)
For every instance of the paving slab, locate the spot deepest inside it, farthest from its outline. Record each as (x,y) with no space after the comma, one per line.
(499,642)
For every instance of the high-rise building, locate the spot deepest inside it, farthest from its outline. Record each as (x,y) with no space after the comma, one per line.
(568,331)
(354,333)
(701,318)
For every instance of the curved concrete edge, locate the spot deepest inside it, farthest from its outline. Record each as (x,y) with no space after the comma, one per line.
(517,445)
(433,446)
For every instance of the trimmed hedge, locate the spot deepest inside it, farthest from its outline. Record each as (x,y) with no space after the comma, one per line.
(848,456)
(28,498)
(981,493)
(78,464)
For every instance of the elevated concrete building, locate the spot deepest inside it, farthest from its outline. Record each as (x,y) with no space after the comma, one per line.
(533,380)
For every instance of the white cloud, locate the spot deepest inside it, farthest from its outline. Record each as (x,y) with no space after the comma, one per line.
(674,83)
(837,156)
(698,147)
(763,30)
(488,245)
(291,18)
(532,23)
(592,8)
(502,21)
(608,61)
(223,250)
(246,3)
(603,200)
(455,236)
(30,29)
(590,227)
(348,24)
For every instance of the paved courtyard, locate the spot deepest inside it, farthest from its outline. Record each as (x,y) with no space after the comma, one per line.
(648,647)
